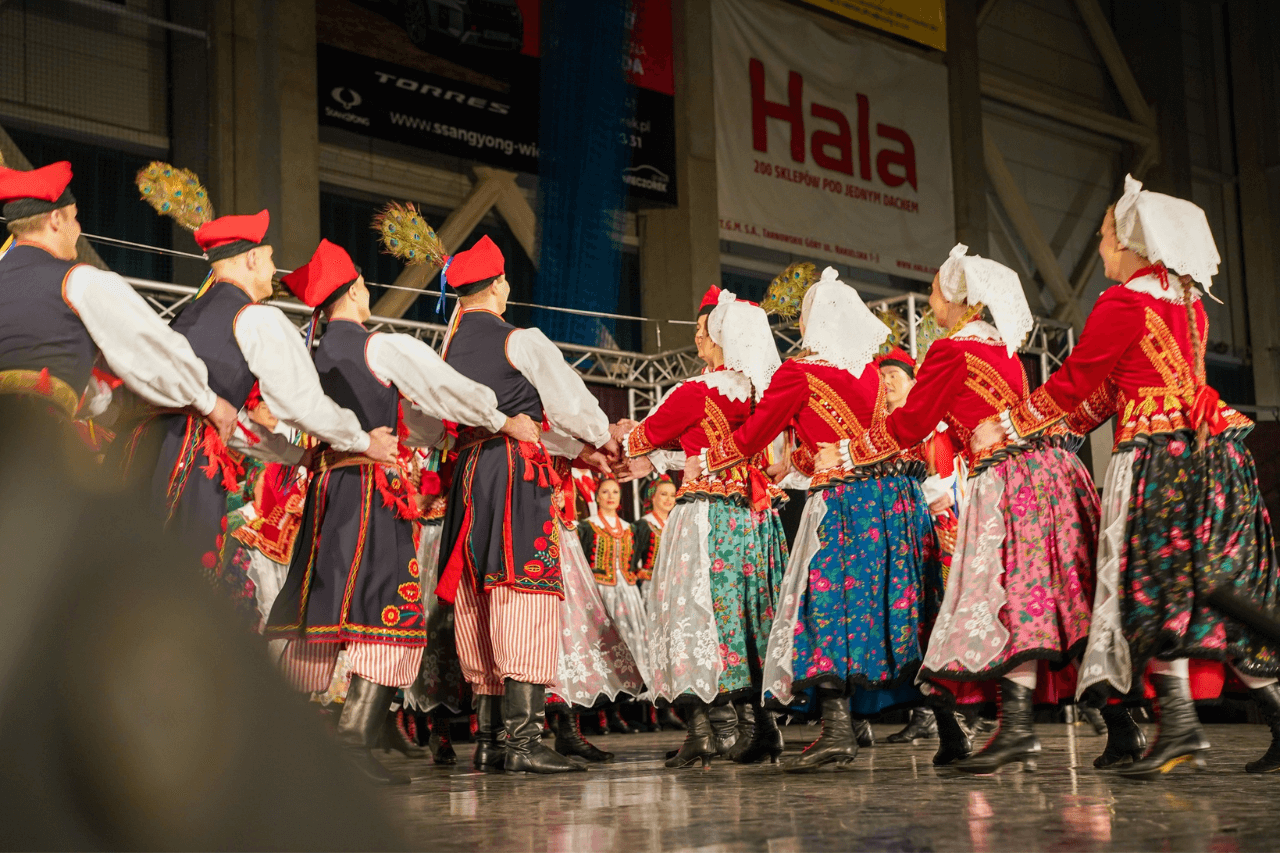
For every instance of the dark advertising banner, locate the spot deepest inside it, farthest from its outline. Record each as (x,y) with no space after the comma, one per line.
(461,77)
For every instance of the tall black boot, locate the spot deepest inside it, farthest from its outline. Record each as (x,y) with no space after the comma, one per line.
(569,739)
(921,726)
(1268,698)
(698,742)
(724,727)
(763,740)
(667,719)
(1094,718)
(1179,737)
(394,737)
(440,744)
(523,712)
(617,725)
(953,744)
(1015,740)
(360,725)
(489,753)
(862,731)
(1125,741)
(836,745)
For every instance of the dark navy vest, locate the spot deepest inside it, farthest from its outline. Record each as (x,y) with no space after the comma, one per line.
(345,376)
(478,350)
(208,324)
(38,329)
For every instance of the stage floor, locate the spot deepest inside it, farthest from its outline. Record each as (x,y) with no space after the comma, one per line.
(893,800)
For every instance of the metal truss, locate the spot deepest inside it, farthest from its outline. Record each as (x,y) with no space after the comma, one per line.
(648,377)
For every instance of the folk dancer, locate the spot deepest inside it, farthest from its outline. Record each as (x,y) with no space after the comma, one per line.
(715,582)
(354,576)
(1182,510)
(1020,587)
(58,317)
(500,547)
(851,613)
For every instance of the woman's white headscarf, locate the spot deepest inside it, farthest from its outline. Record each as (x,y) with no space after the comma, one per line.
(742,330)
(970,279)
(838,326)
(1172,231)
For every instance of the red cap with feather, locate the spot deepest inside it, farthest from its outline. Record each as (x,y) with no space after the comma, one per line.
(320,279)
(228,236)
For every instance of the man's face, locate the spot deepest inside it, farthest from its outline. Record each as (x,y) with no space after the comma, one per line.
(897,384)
(360,293)
(68,231)
(501,290)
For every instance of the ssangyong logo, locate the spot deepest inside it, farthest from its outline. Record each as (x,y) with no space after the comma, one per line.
(349,99)
(646,177)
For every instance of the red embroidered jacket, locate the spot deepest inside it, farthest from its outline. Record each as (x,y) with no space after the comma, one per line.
(1134,357)
(818,401)
(695,416)
(964,381)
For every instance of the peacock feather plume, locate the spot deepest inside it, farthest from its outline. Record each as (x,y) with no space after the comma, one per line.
(406,235)
(786,292)
(176,193)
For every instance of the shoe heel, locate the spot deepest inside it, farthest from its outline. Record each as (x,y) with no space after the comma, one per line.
(1029,765)
(843,763)
(1199,762)
(706,762)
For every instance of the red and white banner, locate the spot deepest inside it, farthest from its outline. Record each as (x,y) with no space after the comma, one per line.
(830,146)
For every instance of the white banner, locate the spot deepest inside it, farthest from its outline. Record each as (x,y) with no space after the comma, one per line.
(829,146)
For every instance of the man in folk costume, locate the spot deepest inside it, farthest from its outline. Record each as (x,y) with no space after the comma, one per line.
(354,576)
(711,603)
(246,345)
(1182,511)
(1018,595)
(500,550)
(57,317)
(851,613)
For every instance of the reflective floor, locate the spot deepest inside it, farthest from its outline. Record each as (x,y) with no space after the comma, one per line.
(893,800)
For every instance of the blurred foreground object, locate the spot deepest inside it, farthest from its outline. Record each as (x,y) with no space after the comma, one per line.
(133,713)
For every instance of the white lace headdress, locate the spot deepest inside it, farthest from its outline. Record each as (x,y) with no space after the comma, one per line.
(742,330)
(970,279)
(838,326)
(1170,230)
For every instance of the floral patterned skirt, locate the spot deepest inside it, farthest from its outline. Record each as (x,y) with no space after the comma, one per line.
(1196,522)
(1022,579)
(710,605)
(855,599)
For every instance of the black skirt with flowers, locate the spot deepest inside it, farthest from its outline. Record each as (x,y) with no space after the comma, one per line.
(354,574)
(1196,522)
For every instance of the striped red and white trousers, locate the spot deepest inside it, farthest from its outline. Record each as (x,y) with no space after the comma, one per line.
(504,634)
(308,667)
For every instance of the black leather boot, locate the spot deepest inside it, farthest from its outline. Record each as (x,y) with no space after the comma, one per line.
(921,726)
(440,744)
(394,737)
(617,725)
(745,713)
(764,740)
(836,745)
(724,727)
(862,731)
(1094,718)
(1179,738)
(698,741)
(360,726)
(523,712)
(489,752)
(569,739)
(1014,741)
(1268,699)
(953,743)
(667,719)
(1125,741)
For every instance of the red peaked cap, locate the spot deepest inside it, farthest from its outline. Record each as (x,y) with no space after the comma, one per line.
(44,184)
(226,230)
(898,357)
(481,261)
(328,270)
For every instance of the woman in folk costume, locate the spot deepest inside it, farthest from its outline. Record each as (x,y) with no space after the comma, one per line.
(711,603)
(609,544)
(354,578)
(659,500)
(1020,587)
(596,661)
(1183,513)
(851,603)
